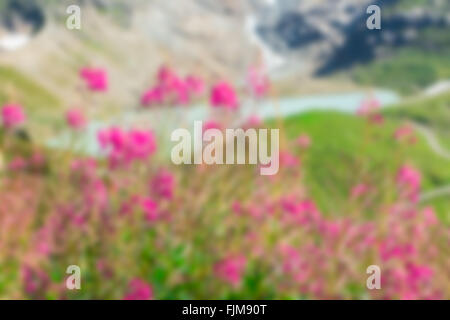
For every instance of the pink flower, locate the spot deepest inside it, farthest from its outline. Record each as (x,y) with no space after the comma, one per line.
(405,133)
(359,190)
(37,159)
(303,212)
(139,290)
(141,144)
(409,180)
(96,194)
(429,216)
(253,121)
(304,141)
(390,249)
(124,147)
(211,124)
(34,281)
(163,184)
(87,166)
(288,160)
(12,116)
(166,76)
(96,79)
(153,96)
(150,209)
(231,269)
(75,119)
(173,87)
(128,206)
(258,81)
(368,107)
(224,96)
(17,164)
(376,118)
(195,85)
(236,207)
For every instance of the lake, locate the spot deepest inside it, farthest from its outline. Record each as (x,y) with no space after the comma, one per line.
(163,121)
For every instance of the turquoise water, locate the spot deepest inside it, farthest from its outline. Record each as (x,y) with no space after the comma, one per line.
(162,122)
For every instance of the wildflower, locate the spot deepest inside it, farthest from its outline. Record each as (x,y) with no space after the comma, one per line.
(37,160)
(85,168)
(288,160)
(195,85)
(12,116)
(17,164)
(150,209)
(231,269)
(163,184)
(124,147)
(368,107)
(96,194)
(409,180)
(258,81)
(304,212)
(75,119)
(429,216)
(173,88)
(211,124)
(304,141)
(253,121)
(376,118)
(236,207)
(139,290)
(141,144)
(153,96)
(34,281)
(359,190)
(128,206)
(96,79)
(405,133)
(224,96)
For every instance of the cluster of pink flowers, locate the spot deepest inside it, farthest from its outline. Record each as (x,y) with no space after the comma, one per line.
(258,81)
(150,209)
(370,109)
(124,147)
(173,89)
(34,162)
(277,238)
(304,141)
(359,190)
(75,119)
(12,116)
(139,290)
(163,184)
(302,212)
(95,79)
(409,179)
(405,134)
(223,95)
(231,269)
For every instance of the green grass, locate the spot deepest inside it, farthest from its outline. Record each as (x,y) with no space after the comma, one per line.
(346,151)
(407,71)
(433,113)
(14,85)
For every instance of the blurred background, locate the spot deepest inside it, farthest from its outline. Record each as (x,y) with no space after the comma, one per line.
(364,118)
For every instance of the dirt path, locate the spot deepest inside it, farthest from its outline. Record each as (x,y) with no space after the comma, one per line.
(437,148)
(432,141)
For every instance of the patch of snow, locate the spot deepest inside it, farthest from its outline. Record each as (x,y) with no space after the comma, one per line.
(13,41)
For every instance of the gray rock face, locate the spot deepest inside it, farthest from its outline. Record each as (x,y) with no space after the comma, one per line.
(314,36)
(17,15)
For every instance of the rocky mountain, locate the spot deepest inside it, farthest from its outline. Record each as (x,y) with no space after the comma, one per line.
(214,38)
